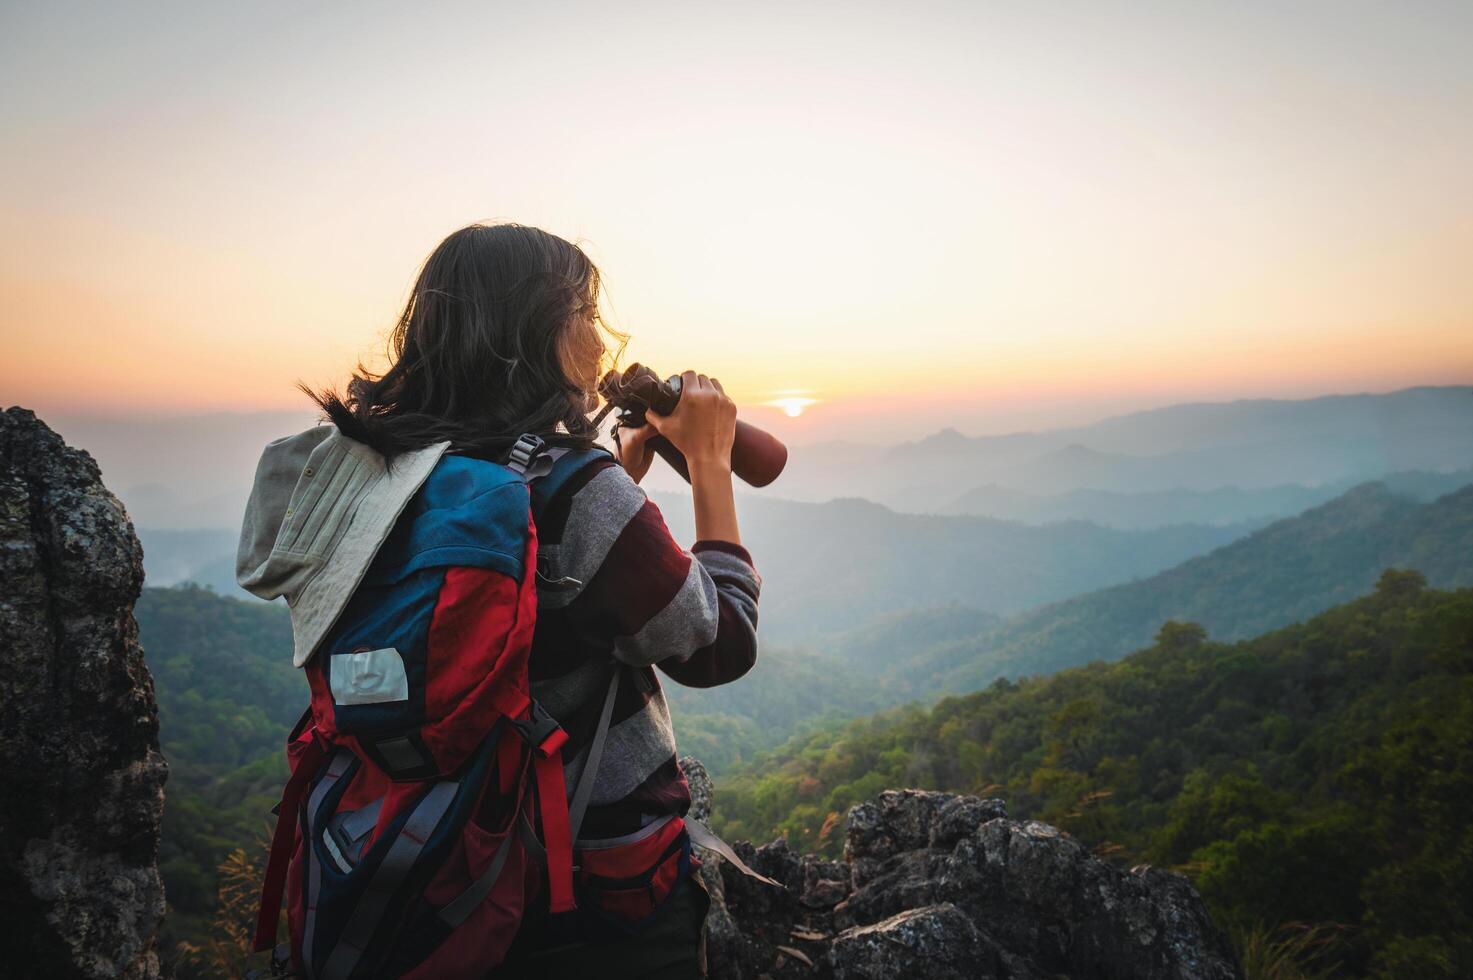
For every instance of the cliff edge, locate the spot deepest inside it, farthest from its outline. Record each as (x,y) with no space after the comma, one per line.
(81,777)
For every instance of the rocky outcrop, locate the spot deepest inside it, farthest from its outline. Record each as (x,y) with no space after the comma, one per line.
(940,886)
(81,777)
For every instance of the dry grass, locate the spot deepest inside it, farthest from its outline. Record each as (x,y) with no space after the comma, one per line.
(1296,951)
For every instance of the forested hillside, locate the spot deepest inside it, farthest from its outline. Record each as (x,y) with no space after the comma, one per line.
(228,694)
(793,692)
(1321,773)
(1285,572)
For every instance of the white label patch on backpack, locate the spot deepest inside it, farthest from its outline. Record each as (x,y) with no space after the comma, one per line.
(368,677)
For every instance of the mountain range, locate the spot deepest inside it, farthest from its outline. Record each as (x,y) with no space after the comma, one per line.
(1249,444)
(190,472)
(1159,508)
(1288,571)
(1285,572)
(829,566)
(834,565)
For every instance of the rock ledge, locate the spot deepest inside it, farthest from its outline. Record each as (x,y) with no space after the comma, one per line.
(942,886)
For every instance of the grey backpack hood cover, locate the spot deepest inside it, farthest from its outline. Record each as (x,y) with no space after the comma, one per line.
(320,508)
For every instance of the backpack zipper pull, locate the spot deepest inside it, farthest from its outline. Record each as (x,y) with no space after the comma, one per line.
(565,583)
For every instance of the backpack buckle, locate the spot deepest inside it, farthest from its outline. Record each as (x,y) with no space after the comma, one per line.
(525,451)
(541,730)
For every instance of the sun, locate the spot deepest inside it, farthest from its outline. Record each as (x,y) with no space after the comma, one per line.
(792,405)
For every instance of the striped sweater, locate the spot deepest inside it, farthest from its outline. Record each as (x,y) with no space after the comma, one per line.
(643,602)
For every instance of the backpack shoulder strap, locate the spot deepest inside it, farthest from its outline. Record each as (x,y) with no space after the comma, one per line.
(566,464)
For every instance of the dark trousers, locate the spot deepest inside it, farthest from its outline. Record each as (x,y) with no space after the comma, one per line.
(672,948)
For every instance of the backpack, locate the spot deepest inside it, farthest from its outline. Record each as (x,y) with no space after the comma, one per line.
(427,793)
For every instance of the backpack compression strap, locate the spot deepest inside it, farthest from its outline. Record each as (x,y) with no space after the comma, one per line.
(584,790)
(552,800)
(561,819)
(703,836)
(281,843)
(700,834)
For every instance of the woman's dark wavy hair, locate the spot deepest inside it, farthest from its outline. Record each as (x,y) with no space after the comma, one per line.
(478,353)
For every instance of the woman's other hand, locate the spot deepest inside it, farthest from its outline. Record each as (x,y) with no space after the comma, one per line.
(635,454)
(703,424)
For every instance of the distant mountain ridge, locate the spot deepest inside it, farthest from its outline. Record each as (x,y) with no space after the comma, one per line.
(193,472)
(1244,421)
(829,566)
(1252,443)
(835,565)
(1287,571)
(1159,508)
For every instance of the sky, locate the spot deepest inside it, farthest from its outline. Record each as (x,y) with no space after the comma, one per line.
(988,216)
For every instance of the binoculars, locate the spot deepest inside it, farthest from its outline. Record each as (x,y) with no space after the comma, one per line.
(756,455)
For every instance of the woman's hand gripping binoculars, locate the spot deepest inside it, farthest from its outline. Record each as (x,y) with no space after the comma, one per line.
(636,392)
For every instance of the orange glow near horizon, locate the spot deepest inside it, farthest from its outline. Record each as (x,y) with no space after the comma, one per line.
(1019,220)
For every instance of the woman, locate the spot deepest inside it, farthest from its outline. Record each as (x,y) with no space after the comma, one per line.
(500,337)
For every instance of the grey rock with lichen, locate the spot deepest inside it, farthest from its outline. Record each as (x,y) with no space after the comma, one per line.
(79,758)
(937,941)
(940,886)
